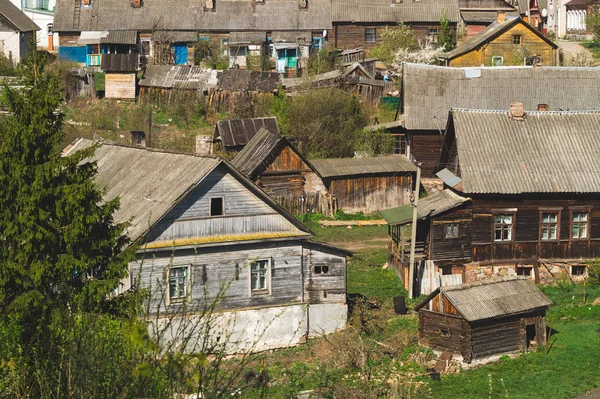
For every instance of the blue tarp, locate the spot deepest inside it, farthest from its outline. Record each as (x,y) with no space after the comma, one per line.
(180,53)
(77,54)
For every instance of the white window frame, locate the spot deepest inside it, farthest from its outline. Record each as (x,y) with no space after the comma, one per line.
(374,35)
(579,223)
(502,227)
(187,284)
(149,40)
(268,290)
(498,57)
(451,231)
(546,225)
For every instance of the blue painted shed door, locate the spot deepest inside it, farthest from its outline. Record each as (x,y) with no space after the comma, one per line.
(180,51)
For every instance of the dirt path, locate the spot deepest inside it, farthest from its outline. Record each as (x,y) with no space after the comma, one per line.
(373,243)
(593,394)
(571,49)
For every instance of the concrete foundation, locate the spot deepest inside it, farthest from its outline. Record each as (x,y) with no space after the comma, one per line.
(251,330)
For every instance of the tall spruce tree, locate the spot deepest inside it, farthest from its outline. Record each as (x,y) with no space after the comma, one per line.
(60,250)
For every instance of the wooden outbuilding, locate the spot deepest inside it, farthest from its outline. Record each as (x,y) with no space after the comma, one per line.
(232,135)
(121,75)
(484,319)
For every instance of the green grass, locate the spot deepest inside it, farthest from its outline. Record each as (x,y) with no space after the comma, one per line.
(366,277)
(356,235)
(594,48)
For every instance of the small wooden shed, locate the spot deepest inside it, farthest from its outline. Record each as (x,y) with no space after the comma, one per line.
(483,319)
(121,79)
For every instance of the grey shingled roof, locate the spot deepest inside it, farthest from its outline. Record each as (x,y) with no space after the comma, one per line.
(435,203)
(179,76)
(385,11)
(238,132)
(338,167)
(120,37)
(489,34)
(495,298)
(470,16)
(546,152)
(228,15)
(16,17)
(430,91)
(242,80)
(261,150)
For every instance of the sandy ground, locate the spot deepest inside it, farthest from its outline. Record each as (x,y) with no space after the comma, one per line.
(572,48)
(593,394)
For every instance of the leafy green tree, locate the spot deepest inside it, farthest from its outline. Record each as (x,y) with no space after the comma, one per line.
(445,36)
(394,39)
(593,25)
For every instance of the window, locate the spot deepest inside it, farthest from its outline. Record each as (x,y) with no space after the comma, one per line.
(238,51)
(577,270)
(259,276)
(400,145)
(178,282)
(497,60)
(533,60)
(50,29)
(370,35)
(225,47)
(524,271)
(321,269)
(503,227)
(549,226)
(580,225)
(451,230)
(216,206)
(433,36)
(517,39)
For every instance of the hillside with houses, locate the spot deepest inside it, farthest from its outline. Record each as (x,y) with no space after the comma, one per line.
(300,199)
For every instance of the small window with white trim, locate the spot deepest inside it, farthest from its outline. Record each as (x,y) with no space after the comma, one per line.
(497,60)
(178,283)
(260,277)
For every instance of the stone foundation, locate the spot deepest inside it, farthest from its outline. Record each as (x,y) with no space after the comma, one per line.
(549,272)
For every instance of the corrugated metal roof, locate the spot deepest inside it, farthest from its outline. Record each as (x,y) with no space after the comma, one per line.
(338,167)
(435,203)
(387,11)
(490,33)
(183,15)
(120,37)
(179,76)
(120,62)
(485,300)
(238,132)
(16,17)
(470,16)
(239,79)
(431,91)
(546,152)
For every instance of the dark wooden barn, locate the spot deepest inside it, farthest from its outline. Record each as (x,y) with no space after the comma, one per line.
(368,184)
(484,319)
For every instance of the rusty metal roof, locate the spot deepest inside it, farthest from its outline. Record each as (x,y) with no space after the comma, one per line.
(340,167)
(494,298)
(546,152)
(238,132)
(431,91)
(386,11)
(17,18)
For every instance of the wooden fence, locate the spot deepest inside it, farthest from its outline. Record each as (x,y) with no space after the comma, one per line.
(319,202)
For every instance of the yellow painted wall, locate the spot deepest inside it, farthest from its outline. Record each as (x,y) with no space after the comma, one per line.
(503,46)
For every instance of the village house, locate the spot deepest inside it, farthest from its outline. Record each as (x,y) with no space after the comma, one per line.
(206,233)
(167,32)
(429,92)
(41,12)
(359,23)
(478,14)
(577,13)
(367,184)
(17,32)
(508,41)
(480,320)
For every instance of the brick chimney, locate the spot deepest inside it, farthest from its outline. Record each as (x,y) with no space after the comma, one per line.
(516,111)
(500,17)
(210,4)
(543,107)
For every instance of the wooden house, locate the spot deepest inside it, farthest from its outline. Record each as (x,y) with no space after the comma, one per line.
(168,32)
(429,92)
(480,320)
(206,234)
(17,32)
(231,135)
(508,41)
(368,184)
(577,13)
(120,75)
(276,166)
(359,23)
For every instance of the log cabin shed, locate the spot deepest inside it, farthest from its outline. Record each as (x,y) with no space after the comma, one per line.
(484,319)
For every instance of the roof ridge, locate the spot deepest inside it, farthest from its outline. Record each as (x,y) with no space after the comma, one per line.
(157,150)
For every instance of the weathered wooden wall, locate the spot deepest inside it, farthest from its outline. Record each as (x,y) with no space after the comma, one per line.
(503,46)
(241,102)
(444,332)
(370,193)
(120,85)
(495,336)
(327,287)
(442,248)
(425,148)
(244,212)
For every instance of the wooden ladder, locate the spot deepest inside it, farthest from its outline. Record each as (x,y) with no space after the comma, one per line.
(76,14)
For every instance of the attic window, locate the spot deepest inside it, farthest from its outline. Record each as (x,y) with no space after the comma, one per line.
(517,39)
(216,206)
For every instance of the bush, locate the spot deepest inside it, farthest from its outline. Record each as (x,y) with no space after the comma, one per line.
(393,40)
(593,269)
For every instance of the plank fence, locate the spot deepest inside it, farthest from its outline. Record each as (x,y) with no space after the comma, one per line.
(309,203)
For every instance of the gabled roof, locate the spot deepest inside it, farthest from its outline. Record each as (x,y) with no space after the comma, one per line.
(149,183)
(16,17)
(435,203)
(489,34)
(387,11)
(485,16)
(431,91)
(238,132)
(179,76)
(261,151)
(339,167)
(546,152)
(228,15)
(493,298)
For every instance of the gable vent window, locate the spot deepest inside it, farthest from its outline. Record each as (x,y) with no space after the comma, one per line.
(216,206)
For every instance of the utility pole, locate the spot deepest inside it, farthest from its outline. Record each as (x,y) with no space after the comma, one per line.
(413,235)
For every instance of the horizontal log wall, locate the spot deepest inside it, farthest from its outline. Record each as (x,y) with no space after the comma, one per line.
(444,332)
(120,85)
(442,248)
(495,336)
(425,148)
